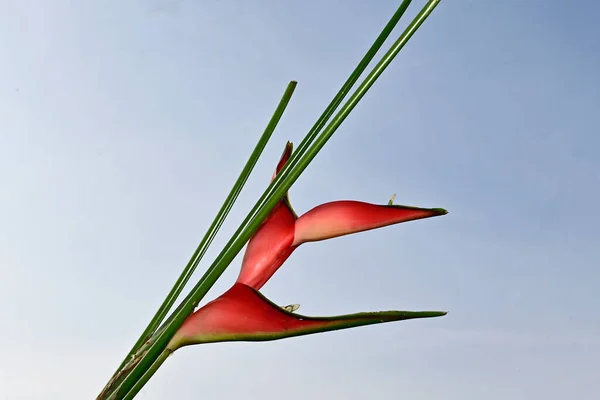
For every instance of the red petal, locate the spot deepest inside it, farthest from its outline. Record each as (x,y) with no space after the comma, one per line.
(271,245)
(340,218)
(243,314)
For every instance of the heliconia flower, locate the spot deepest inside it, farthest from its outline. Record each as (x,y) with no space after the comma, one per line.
(283,231)
(244,314)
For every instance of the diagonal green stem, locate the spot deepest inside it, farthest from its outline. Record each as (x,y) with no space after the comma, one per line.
(274,192)
(148,374)
(345,89)
(214,227)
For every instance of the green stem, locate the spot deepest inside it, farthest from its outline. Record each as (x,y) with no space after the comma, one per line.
(345,89)
(214,227)
(271,196)
(148,374)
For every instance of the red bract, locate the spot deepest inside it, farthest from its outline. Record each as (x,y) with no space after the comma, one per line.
(243,314)
(282,232)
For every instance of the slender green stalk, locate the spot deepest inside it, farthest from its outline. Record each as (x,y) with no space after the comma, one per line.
(345,89)
(148,374)
(214,227)
(274,192)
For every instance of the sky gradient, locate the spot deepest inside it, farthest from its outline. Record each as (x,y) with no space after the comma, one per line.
(123,125)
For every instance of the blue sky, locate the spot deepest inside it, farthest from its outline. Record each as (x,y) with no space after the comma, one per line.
(123,124)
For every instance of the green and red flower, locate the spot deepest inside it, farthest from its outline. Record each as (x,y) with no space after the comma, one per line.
(244,314)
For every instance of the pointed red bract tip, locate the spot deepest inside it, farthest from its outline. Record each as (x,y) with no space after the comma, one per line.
(340,218)
(243,314)
(287,153)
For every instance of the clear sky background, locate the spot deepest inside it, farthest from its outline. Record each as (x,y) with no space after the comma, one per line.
(123,125)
